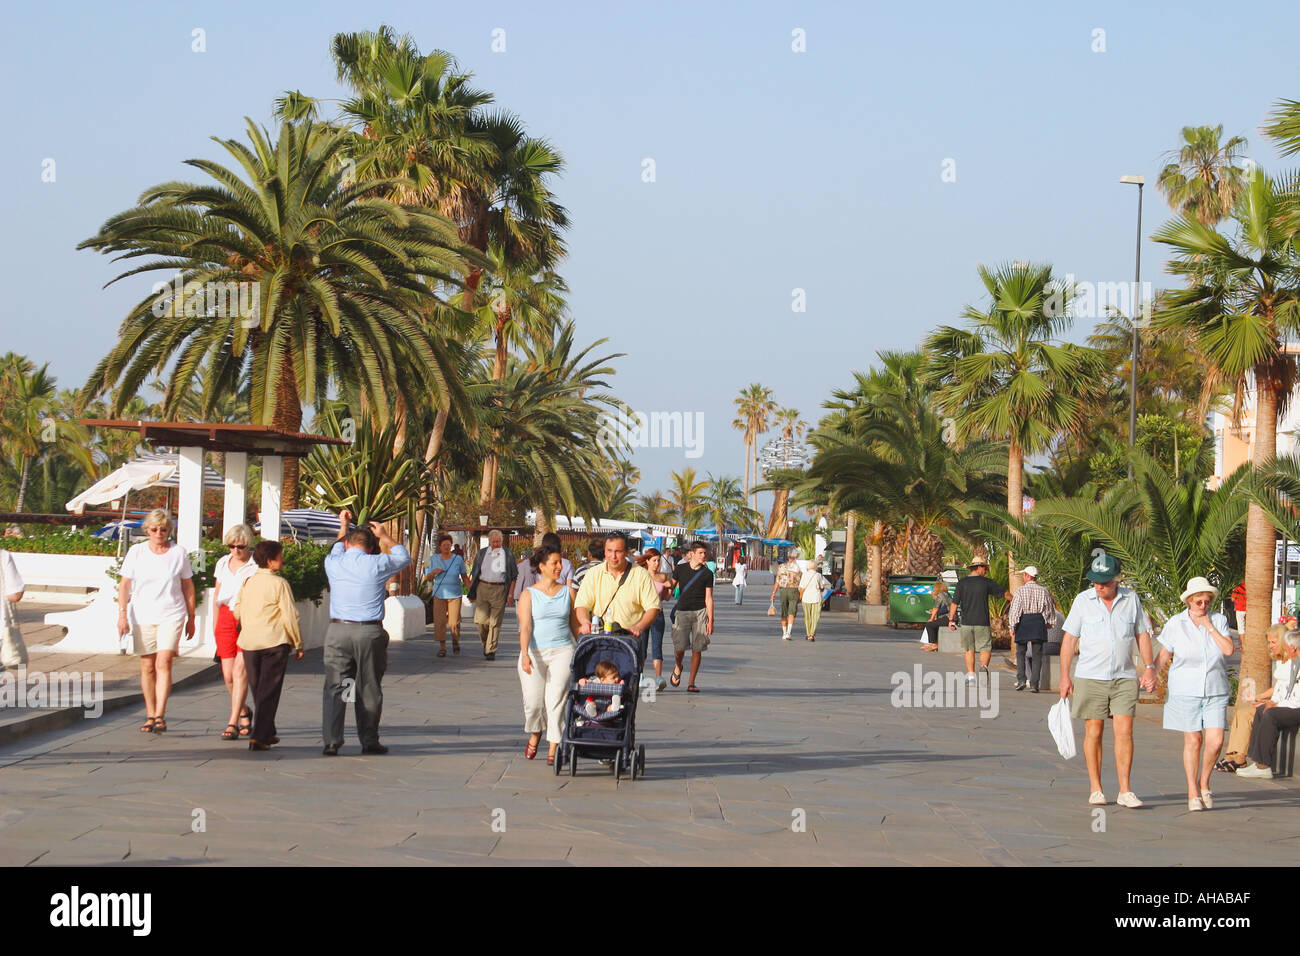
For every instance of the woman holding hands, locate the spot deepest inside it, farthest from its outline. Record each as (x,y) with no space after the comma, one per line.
(1197,704)
(547,624)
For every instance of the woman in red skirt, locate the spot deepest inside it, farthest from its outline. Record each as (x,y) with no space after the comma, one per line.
(231,573)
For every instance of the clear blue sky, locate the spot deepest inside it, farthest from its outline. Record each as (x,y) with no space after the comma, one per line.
(774,170)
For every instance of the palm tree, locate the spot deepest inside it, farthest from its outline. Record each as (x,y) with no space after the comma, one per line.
(1242,302)
(1164,530)
(686,498)
(1005,379)
(724,504)
(755,407)
(30,431)
(339,277)
(1202,179)
(792,427)
(653,508)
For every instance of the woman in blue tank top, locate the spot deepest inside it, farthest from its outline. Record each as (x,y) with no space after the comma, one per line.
(547,623)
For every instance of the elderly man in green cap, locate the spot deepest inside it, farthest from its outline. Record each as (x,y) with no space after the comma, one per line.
(1102,625)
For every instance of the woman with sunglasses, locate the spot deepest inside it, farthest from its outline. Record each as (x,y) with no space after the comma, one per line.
(230,574)
(156,598)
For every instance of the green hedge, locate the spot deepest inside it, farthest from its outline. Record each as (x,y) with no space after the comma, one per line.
(304,562)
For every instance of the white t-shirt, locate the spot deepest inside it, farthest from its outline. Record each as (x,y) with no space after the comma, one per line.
(741,571)
(156,595)
(231,581)
(13,580)
(811,584)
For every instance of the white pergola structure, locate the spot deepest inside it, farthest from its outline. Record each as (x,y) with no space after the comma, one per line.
(236,442)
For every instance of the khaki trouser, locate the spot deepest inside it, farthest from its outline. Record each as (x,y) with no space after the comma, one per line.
(446,611)
(489,610)
(1243,718)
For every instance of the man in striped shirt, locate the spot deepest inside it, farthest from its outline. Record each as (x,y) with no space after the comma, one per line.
(1031,613)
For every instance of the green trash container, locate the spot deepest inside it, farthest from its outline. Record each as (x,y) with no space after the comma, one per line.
(910,599)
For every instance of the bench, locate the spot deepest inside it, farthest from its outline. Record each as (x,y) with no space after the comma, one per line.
(64,578)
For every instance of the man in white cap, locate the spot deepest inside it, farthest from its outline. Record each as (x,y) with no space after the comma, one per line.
(1031,614)
(1103,623)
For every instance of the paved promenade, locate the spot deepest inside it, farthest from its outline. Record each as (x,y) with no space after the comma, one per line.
(791,754)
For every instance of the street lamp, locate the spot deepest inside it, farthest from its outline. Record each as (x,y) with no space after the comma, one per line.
(1138,181)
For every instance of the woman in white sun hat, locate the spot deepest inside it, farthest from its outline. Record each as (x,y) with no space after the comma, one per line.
(1197,703)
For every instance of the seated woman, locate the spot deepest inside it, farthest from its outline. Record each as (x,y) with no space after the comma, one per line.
(1243,714)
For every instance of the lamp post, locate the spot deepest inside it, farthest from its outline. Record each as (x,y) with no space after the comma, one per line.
(1138,181)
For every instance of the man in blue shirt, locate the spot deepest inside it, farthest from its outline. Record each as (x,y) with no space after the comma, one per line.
(356,646)
(1104,624)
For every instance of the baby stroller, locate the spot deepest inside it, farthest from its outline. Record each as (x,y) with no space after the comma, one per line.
(609,737)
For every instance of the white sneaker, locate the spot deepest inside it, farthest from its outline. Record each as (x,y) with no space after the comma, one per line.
(1207,799)
(1128,799)
(1097,798)
(1256,772)
(1194,804)
(970,678)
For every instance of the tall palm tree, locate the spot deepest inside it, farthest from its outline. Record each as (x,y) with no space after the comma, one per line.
(1242,302)
(339,277)
(792,427)
(1005,378)
(686,497)
(653,508)
(1202,179)
(755,408)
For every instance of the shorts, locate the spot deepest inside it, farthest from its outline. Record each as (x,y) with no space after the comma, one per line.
(226,631)
(690,631)
(789,598)
(152,638)
(1193,714)
(1099,699)
(976,637)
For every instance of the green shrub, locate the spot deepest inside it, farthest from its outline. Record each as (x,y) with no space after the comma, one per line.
(62,542)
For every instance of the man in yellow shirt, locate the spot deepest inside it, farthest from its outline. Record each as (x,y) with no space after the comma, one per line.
(617,592)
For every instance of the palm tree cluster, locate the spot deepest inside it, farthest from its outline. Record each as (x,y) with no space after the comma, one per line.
(931,447)
(402,255)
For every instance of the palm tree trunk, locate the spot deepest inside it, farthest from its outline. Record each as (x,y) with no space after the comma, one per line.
(876,578)
(22,484)
(850,532)
(488,486)
(543,524)
(288,417)
(1015,505)
(430,455)
(1260,543)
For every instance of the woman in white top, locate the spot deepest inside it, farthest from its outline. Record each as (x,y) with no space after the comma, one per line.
(156,581)
(1197,701)
(230,574)
(741,572)
(811,584)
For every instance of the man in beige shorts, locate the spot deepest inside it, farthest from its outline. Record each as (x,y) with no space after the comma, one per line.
(1103,623)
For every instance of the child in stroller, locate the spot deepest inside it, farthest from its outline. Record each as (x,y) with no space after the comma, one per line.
(608,735)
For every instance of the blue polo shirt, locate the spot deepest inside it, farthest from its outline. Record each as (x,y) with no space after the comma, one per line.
(1106,637)
(357,580)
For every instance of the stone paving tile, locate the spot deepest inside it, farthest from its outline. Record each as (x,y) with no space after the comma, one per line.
(778,727)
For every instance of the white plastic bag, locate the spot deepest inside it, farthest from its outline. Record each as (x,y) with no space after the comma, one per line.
(1058,721)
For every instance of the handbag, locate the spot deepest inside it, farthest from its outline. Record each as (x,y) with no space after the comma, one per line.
(13,652)
(771,609)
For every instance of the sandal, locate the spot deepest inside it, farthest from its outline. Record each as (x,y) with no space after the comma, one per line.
(812,638)
(230,733)
(550,759)
(530,750)
(148,725)
(455,648)
(676,678)
(692,688)
(160,724)
(442,652)
(245,722)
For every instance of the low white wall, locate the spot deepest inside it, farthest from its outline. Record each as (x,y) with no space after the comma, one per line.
(41,571)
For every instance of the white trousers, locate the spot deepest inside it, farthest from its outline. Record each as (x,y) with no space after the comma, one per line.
(545,691)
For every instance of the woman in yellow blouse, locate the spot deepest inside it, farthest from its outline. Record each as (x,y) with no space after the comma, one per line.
(268,627)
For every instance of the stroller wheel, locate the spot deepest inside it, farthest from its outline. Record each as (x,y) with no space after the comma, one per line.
(640,759)
(559,759)
(618,768)
(572,756)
